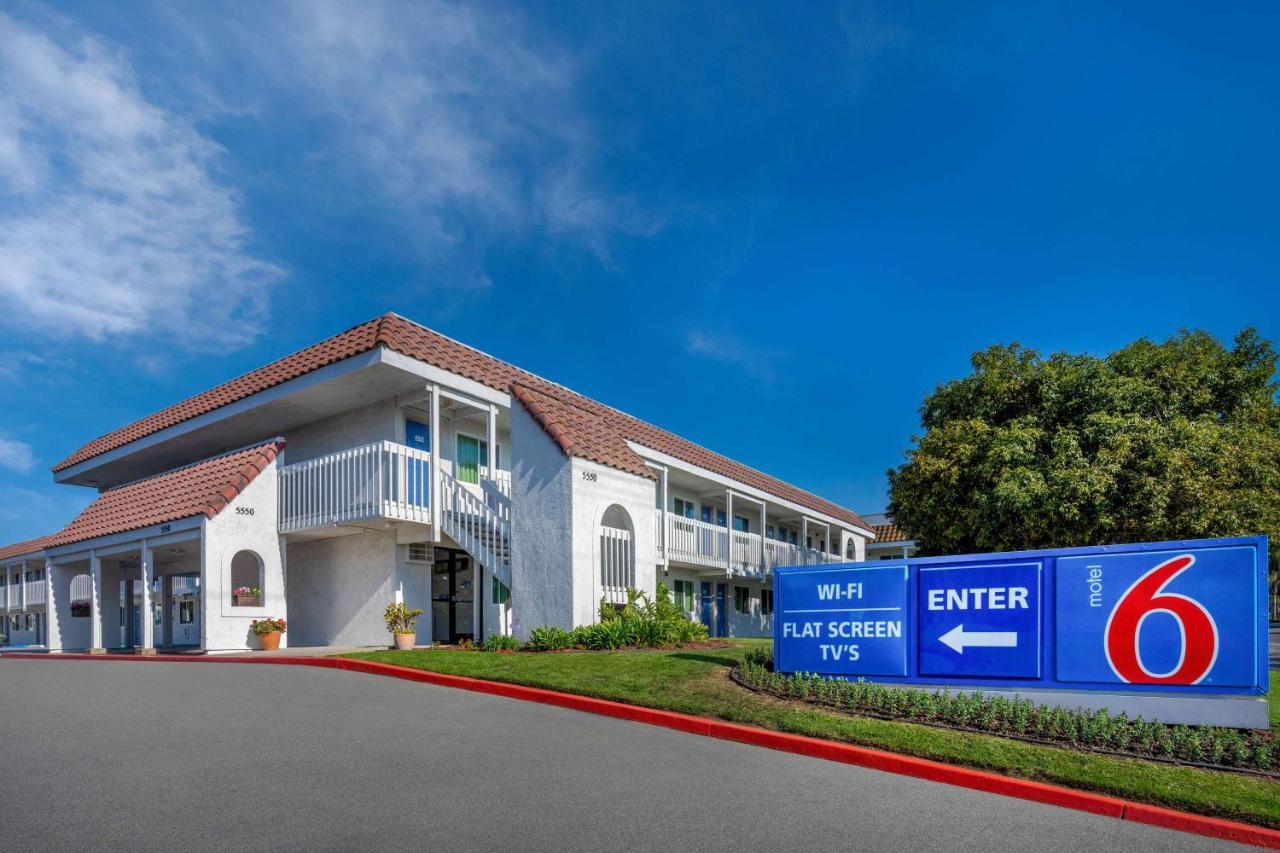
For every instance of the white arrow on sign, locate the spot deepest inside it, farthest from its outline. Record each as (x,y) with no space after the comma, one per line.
(957,638)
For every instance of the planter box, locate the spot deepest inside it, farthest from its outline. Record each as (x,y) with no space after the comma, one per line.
(246,600)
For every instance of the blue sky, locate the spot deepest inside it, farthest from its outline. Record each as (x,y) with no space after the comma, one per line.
(771,228)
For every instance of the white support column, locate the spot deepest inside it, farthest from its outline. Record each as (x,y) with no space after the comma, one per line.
(764,546)
(492,439)
(52,628)
(148,604)
(728,530)
(804,533)
(95,605)
(166,610)
(22,586)
(666,523)
(436,490)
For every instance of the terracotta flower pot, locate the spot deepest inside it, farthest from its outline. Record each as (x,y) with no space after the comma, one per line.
(270,642)
(247,600)
(404,642)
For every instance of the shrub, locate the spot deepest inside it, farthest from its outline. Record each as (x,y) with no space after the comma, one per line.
(400,619)
(1254,750)
(501,643)
(550,638)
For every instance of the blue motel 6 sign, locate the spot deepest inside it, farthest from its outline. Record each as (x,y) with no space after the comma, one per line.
(1175,617)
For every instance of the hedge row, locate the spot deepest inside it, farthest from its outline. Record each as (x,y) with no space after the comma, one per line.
(1248,749)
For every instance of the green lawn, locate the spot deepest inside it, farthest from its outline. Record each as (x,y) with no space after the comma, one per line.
(696,682)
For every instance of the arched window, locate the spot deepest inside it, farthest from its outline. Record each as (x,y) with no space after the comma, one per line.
(81,596)
(851,550)
(246,579)
(617,554)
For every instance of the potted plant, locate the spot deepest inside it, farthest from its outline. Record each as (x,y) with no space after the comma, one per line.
(81,608)
(268,632)
(246,596)
(400,621)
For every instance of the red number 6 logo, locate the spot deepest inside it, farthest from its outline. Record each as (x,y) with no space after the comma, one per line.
(1146,596)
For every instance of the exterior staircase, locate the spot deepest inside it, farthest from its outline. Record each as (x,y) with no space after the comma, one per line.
(481,525)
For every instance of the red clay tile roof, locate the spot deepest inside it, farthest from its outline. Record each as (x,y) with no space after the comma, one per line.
(204,488)
(418,342)
(21,549)
(889,533)
(580,433)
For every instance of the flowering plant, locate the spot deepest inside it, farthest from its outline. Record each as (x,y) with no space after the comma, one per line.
(80,608)
(268,626)
(250,591)
(400,618)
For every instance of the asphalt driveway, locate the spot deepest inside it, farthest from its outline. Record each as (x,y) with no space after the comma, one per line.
(152,756)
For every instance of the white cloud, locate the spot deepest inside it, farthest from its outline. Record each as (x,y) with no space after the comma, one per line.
(113,220)
(458,115)
(16,455)
(756,361)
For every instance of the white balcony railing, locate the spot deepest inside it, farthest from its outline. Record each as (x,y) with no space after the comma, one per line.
(379,480)
(9,596)
(35,593)
(701,543)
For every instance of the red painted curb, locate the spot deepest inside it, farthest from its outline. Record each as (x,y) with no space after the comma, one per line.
(889,762)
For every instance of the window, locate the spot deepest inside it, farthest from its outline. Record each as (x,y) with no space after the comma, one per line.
(720,517)
(888,557)
(684,595)
(501,594)
(246,579)
(851,550)
(766,602)
(706,513)
(418,552)
(682,508)
(186,612)
(769,532)
(741,524)
(794,538)
(741,599)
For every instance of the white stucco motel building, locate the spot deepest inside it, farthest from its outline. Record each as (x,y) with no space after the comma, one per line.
(391,462)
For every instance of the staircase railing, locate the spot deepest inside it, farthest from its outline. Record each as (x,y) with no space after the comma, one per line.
(480,529)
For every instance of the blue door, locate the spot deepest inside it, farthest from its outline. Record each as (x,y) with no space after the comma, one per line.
(721,631)
(418,436)
(706,605)
(137,626)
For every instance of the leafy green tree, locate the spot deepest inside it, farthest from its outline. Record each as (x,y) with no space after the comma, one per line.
(1169,440)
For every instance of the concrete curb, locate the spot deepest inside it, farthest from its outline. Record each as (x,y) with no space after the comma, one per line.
(889,762)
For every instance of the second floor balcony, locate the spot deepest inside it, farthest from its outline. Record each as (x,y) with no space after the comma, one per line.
(382,480)
(20,595)
(701,543)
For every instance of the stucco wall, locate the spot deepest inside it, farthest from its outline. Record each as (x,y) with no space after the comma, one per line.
(596,488)
(542,529)
(338,589)
(414,583)
(365,425)
(223,626)
(65,632)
